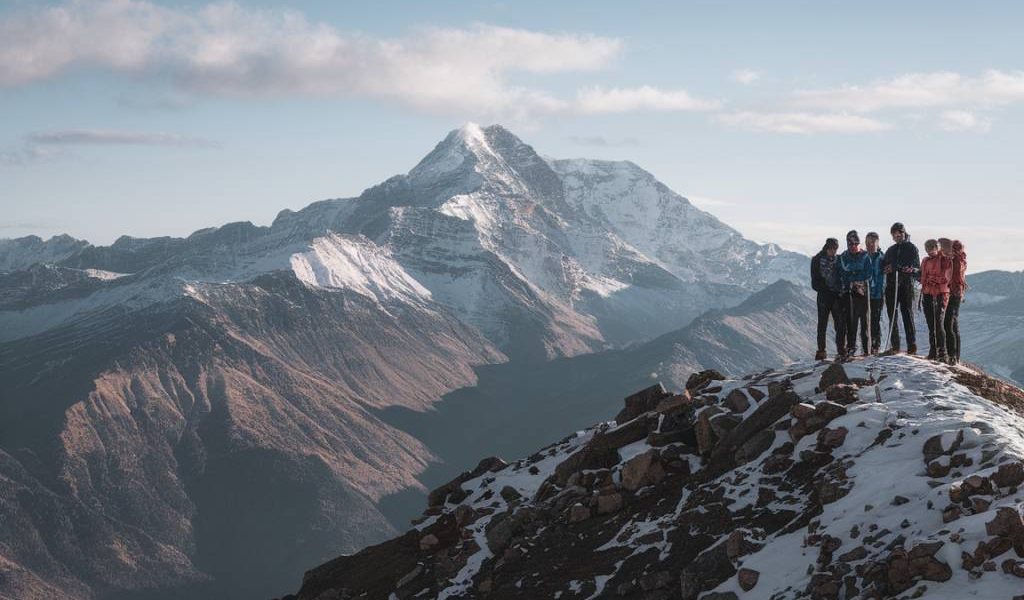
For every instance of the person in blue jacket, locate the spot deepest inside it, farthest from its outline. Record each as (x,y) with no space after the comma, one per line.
(877,297)
(855,275)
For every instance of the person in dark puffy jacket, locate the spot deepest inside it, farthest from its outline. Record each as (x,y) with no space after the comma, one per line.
(902,265)
(876,300)
(855,278)
(957,288)
(825,281)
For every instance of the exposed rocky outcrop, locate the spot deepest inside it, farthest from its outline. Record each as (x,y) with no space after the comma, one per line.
(768,490)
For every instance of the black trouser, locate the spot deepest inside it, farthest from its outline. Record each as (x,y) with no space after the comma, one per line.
(935,313)
(829,306)
(951,325)
(876,322)
(905,299)
(856,320)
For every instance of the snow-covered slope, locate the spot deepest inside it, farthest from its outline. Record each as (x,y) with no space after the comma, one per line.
(545,257)
(885,477)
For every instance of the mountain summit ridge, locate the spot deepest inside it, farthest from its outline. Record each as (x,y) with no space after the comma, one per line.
(874,478)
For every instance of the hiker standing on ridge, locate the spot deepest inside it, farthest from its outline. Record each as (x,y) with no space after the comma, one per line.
(957,288)
(902,266)
(825,281)
(876,300)
(855,275)
(936,272)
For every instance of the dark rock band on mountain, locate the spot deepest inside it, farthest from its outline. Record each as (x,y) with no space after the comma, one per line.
(854,289)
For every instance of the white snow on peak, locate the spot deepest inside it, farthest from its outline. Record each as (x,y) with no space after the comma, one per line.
(359,265)
(104,275)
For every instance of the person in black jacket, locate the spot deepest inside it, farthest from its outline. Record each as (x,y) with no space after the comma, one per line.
(825,281)
(902,265)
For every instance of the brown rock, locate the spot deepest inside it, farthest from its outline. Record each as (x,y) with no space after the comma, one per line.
(643,401)
(843,394)
(828,410)
(857,553)
(706,437)
(722,424)
(1009,474)
(578,513)
(755,393)
(737,401)
(609,503)
(937,469)
(747,578)
(833,374)
(1007,523)
(641,470)
(802,410)
(698,380)
(832,438)
(428,541)
(950,514)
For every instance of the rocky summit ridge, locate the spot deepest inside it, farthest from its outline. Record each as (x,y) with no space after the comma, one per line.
(884,477)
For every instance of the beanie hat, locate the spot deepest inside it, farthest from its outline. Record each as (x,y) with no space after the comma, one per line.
(897,226)
(852,237)
(831,243)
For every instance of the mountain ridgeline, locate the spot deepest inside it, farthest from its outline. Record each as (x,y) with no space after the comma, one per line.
(209,416)
(887,477)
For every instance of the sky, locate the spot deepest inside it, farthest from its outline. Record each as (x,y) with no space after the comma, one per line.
(790,121)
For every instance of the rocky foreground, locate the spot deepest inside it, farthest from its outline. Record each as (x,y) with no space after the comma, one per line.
(885,477)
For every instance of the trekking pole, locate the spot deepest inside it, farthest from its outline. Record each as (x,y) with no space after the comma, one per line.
(869,320)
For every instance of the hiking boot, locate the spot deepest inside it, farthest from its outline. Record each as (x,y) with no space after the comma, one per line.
(942,358)
(875,349)
(931,355)
(820,355)
(912,349)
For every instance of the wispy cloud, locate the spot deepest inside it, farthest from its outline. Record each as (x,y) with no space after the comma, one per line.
(964,120)
(49,145)
(745,76)
(599,100)
(106,137)
(919,90)
(228,50)
(601,141)
(803,123)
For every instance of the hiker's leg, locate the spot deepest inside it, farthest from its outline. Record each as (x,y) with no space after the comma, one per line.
(907,311)
(892,315)
(939,308)
(824,310)
(953,327)
(839,322)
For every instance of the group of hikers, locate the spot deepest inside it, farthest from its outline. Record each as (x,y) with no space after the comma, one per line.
(856,287)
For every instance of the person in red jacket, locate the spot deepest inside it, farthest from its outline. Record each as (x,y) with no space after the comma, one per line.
(936,273)
(957,286)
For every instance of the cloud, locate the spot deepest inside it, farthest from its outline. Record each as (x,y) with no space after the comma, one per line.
(705,202)
(745,76)
(82,137)
(225,49)
(963,120)
(802,122)
(919,90)
(601,141)
(49,145)
(599,100)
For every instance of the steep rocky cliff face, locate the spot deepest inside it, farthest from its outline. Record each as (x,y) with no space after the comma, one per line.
(152,451)
(884,477)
